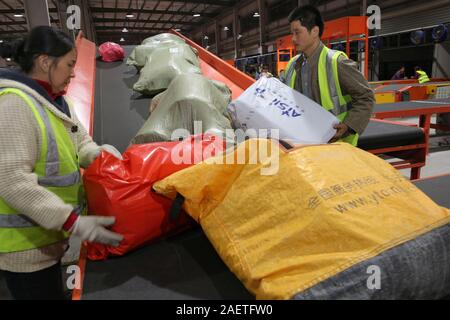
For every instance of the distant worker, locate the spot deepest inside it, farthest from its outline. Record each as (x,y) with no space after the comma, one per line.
(3,63)
(421,75)
(43,145)
(282,75)
(400,74)
(328,77)
(264,73)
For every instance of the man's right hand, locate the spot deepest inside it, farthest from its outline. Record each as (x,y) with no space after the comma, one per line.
(93,229)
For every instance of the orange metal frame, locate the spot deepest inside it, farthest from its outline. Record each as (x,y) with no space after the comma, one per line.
(416,92)
(82,93)
(406,81)
(81,88)
(353,28)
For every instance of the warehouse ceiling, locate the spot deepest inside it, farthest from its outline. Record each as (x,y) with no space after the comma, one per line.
(140,18)
(143,18)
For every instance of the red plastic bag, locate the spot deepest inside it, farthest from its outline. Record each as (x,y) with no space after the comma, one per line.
(110,52)
(122,188)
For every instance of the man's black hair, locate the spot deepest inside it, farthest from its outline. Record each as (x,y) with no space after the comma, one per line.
(309,16)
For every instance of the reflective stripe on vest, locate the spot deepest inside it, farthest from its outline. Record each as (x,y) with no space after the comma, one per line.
(52,179)
(22,221)
(423,77)
(57,170)
(291,74)
(331,95)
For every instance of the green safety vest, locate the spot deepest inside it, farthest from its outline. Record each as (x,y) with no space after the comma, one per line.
(423,77)
(57,170)
(330,90)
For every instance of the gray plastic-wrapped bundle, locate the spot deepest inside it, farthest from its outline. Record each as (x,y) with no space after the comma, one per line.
(138,56)
(222,87)
(163,65)
(163,37)
(155,102)
(189,98)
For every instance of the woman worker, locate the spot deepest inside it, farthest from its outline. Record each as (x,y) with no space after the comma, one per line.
(42,146)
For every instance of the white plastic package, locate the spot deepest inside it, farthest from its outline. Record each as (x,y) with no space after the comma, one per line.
(270,104)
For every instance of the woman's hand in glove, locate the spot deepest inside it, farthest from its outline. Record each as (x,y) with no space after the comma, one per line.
(93,229)
(112,150)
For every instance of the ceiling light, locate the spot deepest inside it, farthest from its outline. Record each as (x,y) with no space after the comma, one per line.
(18,15)
(226,29)
(206,38)
(8,59)
(1,41)
(129,15)
(122,40)
(256,15)
(124,30)
(196,15)
(177,30)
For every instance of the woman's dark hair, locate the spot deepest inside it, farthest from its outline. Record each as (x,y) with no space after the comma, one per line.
(309,17)
(41,40)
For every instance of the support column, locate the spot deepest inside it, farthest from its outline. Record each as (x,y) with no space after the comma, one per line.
(61,7)
(87,24)
(204,41)
(362,56)
(217,31)
(236,31)
(36,12)
(262,7)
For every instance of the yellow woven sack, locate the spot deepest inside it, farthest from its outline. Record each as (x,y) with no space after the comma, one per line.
(327,208)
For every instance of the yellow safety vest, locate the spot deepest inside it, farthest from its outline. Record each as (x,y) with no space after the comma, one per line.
(57,170)
(331,95)
(423,77)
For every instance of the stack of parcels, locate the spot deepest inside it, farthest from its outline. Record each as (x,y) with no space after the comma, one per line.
(185,100)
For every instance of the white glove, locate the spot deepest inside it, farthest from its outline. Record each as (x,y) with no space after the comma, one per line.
(93,230)
(112,150)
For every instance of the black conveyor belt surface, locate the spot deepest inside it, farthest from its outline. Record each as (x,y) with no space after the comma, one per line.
(384,135)
(119,111)
(437,189)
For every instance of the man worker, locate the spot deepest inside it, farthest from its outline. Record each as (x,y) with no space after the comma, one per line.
(421,75)
(328,77)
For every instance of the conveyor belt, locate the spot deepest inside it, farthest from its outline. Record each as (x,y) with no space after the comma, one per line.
(395,87)
(380,135)
(119,111)
(408,105)
(391,87)
(436,188)
(186,266)
(183,267)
